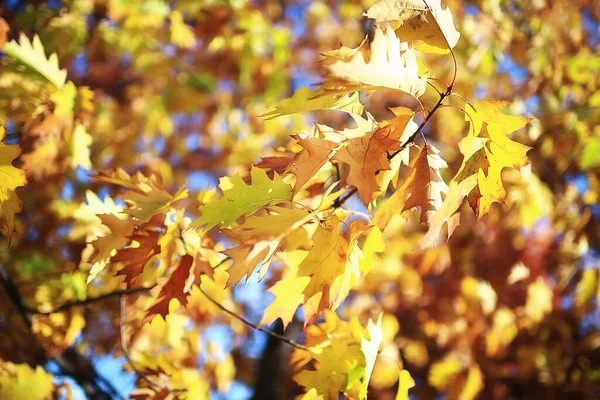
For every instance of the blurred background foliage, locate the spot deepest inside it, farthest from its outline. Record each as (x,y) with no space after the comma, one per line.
(175,90)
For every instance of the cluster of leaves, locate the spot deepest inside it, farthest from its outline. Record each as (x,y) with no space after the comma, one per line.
(352,222)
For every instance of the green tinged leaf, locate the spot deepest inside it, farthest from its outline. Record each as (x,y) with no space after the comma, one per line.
(33,56)
(240,199)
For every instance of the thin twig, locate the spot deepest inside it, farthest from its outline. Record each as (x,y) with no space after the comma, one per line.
(460,109)
(420,129)
(71,304)
(125,352)
(341,200)
(251,324)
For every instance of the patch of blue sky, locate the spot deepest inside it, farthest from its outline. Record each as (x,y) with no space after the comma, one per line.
(199,180)
(220,335)
(515,72)
(303,78)
(80,64)
(112,370)
(82,175)
(294,12)
(77,392)
(68,191)
(237,391)
(256,344)
(592,28)
(580,181)
(532,105)
(472,9)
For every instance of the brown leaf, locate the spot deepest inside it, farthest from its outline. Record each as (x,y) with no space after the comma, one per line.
(135,258)
(426,185)
(176,287)
(366,156)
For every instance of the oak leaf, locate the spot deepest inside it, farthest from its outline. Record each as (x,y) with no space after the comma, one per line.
(449,212)
(239,199)
(384,63)
(418,20)
(261,235)
(31,54)
(426,185)
(175,287)
(367,156)
(10,178)
(488,150)
(317,152)
(135,258)
(306,100)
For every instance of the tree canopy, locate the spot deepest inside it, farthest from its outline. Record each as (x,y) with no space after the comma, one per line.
(299,199)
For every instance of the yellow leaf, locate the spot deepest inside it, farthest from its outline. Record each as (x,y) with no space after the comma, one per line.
(32,55)
(80,148)
(182,35)
(586,287)
(384,63)
(10,179)
(370,349)
(405,383)
(240,199)
(306,100)
(487,158)
(539,300)
(449,212)
(261,235)
(473,384)
(324,263)
(20,381)
(443,372)
(413,20)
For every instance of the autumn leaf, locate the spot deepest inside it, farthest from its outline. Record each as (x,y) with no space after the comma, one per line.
(426,184)
(338,365)
(239,199)
(136,258)
(182,35)
(306,100)
(317,152)
(261,235)
(405,382)
(10,179)
(145,196)
(384,63)
(417,20)
(31,54)
(370,349)
(20,381)
(80,148)
(448,212)
(488,157)
(366,157)
(175,287)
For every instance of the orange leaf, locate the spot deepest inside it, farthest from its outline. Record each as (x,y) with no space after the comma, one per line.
(175,287)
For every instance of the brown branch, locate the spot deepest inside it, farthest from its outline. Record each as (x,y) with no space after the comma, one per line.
(252,325)
(71,304)
(70,361)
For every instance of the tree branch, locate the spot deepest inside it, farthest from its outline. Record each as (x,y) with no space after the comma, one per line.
(252,325)
(71,304)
